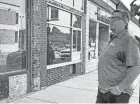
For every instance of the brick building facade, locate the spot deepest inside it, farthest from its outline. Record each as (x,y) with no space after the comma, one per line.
(48,59)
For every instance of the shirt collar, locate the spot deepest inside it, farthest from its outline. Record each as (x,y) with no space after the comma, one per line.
(121,34)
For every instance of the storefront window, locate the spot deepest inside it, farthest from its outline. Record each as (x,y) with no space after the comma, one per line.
(76,40)
(59,43)
(12,21)
(64,35)
(78,4)
(77,21)
(59,17)
(92,39)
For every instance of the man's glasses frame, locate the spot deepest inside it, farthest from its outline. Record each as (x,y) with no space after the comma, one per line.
(116,18)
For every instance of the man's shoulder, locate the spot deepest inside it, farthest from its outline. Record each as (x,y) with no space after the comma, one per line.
(130,39)
(128,36)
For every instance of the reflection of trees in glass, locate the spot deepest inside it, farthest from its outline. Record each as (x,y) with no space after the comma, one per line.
(58,48)
(59,38)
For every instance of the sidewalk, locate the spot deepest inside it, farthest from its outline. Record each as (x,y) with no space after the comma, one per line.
(81,89)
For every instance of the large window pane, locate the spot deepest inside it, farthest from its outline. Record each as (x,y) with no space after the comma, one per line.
(76,21)
(8,17)
(92,39)
(12,40)
(11,56)
(76,40)
(78,4)
(60,17)
(59,43)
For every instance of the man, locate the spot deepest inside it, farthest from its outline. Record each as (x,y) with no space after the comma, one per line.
(119,63)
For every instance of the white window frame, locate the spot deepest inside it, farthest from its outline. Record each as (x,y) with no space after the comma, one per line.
(76,53)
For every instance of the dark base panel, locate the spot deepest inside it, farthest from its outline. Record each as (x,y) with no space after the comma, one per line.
(59,74)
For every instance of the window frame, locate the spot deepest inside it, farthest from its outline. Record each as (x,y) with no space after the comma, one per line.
(76,53)
(71,47)
(58,15)
(61,1)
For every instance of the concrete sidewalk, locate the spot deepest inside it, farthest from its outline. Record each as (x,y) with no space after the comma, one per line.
(81,89)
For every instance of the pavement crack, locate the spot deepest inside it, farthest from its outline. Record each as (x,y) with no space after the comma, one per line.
(41,100)
(75,88)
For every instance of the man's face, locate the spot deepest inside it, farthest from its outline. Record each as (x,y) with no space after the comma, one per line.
(117,24)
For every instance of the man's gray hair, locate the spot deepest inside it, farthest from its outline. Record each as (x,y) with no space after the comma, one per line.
(125,16)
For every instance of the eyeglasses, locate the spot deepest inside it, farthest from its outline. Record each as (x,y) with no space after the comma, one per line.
(115,18)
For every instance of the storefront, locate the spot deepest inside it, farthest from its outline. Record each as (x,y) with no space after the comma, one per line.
(64,41)
(97,30)
(41,49)
(54,40)
(13,57)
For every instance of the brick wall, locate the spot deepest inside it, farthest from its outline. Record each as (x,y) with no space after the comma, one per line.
(56,75)
(39,41)
(17,87)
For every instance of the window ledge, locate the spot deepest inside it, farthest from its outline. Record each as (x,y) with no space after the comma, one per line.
(14,72)
(62,64)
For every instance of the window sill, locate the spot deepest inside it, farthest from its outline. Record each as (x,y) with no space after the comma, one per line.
(63,64)
(14,72)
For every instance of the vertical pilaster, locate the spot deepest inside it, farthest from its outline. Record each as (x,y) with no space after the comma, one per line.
(39,41)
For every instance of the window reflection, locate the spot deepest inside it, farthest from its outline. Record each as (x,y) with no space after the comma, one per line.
(12,57)
(92,39)
(57,16)
(8,36)
(76,40)
(78,4)
(8,17)
(77,21)
(12,36)
(59,41)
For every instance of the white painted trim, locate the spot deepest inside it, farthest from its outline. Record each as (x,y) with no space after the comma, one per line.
(9,27)
(99,7)
(6,7)
(65,9)
(62,64)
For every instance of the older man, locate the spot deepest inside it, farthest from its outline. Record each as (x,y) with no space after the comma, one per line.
(119,62)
